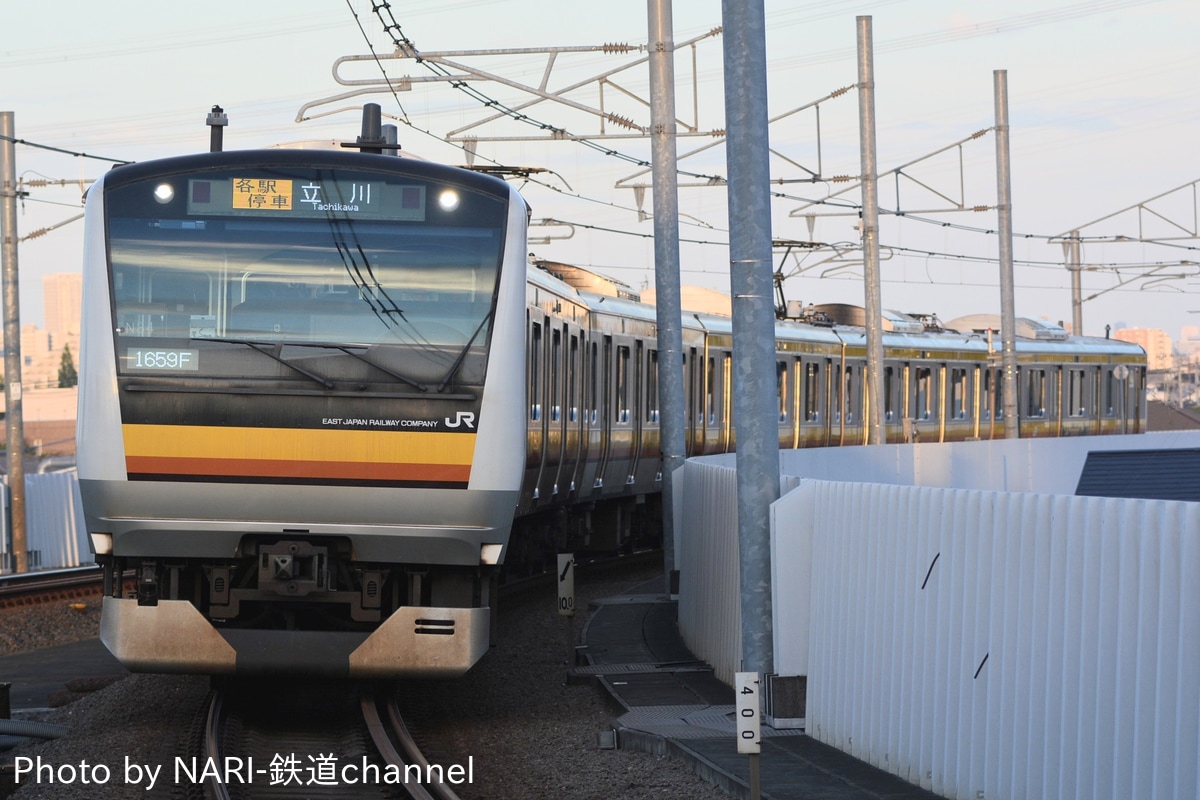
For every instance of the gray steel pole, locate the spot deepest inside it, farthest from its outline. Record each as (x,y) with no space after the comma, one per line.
(1075,266)
(1008,314)
(751,282)
(666,264)
(870,231)
(14,420)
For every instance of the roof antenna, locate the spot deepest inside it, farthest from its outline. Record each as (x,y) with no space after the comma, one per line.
(217,120)
(372,140)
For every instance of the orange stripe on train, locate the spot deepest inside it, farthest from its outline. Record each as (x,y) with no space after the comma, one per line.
(297,469)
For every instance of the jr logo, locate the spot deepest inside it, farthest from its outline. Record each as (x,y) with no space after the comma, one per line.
(461,417)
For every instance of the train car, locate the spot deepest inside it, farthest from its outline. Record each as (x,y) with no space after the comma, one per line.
(300,409)
(326,404)
(592,411)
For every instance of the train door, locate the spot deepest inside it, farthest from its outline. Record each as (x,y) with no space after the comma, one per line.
(594,416)
(605,410)
(922,401)
(573,441)
(708,423)
(556,442)
(618,456)
(650,458)
(637,394)
(693,376)
(725,407)
(976,379)
(829,402)
(856,404)
(813,423)
(536,394)
(787,382)
(955,422)
(1036,399)
(551,412)
(889,401)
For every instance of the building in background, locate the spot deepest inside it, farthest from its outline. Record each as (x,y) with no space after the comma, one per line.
(42,350)
(1189,340)
(1155,342)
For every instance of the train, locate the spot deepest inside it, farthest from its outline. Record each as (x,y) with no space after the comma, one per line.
(328,402)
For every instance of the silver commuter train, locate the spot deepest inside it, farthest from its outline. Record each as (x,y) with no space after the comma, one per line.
(300,415)
(316,386)
(593,413)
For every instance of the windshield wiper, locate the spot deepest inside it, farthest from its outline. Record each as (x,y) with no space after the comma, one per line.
(463,353)
(272,350)
(348,349)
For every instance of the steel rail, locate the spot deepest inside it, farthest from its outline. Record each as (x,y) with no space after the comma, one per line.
(212,746)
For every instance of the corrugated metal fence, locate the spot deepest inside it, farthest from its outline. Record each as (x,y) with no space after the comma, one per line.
(981,644)
(56,536)
(996,645)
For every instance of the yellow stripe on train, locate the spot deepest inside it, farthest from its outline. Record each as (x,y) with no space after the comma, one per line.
(288,444)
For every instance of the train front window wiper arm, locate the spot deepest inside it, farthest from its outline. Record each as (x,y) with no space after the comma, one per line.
(462,353)
(273,351)
(348,349)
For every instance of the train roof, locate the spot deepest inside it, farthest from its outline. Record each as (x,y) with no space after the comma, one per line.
(912,331)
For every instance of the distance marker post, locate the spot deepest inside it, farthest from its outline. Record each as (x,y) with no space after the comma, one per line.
(749,726)
(566,600)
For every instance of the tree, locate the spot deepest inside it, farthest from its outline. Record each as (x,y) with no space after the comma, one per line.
(67,376)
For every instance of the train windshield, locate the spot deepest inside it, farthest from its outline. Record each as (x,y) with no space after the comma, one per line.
(278,274)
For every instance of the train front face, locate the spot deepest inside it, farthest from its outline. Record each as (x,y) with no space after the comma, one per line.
(300,410)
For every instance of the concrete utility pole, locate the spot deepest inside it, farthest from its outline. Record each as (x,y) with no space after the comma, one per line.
(1008,304)
(1075,267)
(666,263)
(751,281)
(870,231)
(14,421)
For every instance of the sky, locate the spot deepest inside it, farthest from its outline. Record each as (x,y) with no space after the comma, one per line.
(1103,110)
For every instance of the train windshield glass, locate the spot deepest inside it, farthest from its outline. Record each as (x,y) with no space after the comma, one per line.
(370,274)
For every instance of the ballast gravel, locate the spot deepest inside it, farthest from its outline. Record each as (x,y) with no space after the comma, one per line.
(524,732)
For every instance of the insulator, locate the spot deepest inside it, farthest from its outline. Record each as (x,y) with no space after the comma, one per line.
(979,133)
(840,178)
(717,133)
(980,208)
(624,122)
(840,92)
(616,47)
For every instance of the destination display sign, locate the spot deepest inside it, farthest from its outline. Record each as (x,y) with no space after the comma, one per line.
(305,198)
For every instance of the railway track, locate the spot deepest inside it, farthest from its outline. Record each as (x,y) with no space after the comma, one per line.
(32,588)
(312,741)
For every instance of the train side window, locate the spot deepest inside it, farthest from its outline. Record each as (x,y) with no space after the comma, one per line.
(812,378)
(1076,406)
(1109,392)
(535,371)
(781,388)
(622,375)
(652,386)
(1035,380)
(607,369)
(555,375)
